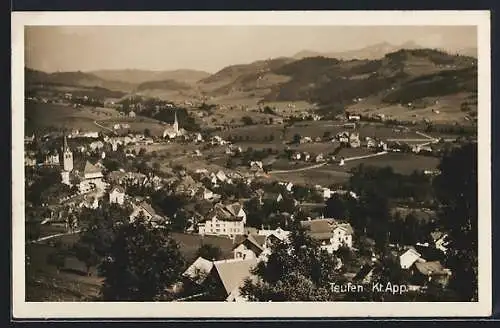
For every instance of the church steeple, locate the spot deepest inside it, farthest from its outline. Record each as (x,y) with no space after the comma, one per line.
(67,157)
(65,147)
(176,123)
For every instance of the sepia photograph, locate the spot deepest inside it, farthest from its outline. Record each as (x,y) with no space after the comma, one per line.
(192,158)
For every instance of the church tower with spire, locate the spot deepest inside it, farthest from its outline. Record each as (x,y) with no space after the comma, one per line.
(67,157)
(176,124)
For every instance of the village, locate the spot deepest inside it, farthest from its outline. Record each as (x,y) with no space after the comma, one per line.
(245,201)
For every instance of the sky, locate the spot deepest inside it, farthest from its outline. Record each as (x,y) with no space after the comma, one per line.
(210,48)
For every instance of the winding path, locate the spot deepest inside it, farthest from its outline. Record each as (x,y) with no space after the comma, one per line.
(324,163)
(54,236)
(103,127)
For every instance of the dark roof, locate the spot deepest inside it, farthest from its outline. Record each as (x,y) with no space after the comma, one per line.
(322,229)
(430,268)
(224,213)
(146,207)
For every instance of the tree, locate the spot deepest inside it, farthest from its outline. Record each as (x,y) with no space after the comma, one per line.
(209,252)
(247,120)
(336,207)
(456,190)
(57,259)
(296,138)
(98,232)
(147,133)
(295,270)
(143,263)
(87,254)
(327,135)
(179,221)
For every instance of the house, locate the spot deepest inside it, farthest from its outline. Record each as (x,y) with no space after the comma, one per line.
(327,193)
(320,158)
(117,195)
(206,194)
(278,233)
(354,140)
(306,156)
(52,158)
(249,247)
(198,271)
(256,165)
(224,220)
(147,211)
(96,145)
(432,271)
(297,156)
(230,275)
(354,118)
(131,114)
(371,143)
(440,240)
(330,233)
(221,176)
(91,172)
(305,140)
(408,258)
(365,274)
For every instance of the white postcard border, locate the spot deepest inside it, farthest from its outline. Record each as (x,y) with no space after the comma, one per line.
(23,309)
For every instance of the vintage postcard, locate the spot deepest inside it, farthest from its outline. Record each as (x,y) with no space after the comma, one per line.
(266,164)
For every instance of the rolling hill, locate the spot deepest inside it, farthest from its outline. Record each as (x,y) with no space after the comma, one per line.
(391,79)
(403,75)
(75,79)
(136,76)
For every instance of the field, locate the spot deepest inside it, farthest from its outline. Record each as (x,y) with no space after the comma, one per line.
(137,124)
(71,284)
(447,106)
(261,133)
(39,116)
(329,174)
(189,244)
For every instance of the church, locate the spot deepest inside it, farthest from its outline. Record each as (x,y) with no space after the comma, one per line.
(91,178)
(173,131)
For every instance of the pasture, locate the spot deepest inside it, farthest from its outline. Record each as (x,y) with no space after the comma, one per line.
(39,116)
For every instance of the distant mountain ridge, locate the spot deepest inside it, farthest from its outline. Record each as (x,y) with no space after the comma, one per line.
(374,51)
(399,76)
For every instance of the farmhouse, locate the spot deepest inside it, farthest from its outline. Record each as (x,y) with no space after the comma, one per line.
(198,271)
(408,258)
(229,276)
(432,271)
(92,178)
(117,195)
(249,247)
(329,233)
(52,158)
(354,140)
(278,233)
(147,211)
